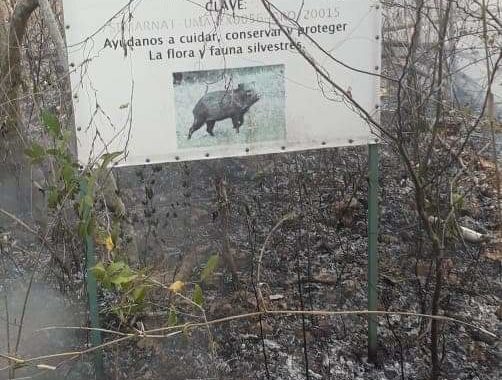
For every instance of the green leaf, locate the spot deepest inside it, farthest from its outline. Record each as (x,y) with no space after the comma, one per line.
(53,152)
(122,280)
(99,271)
(109,157)
(51,123)
(68,174)
(139,293)
(116,267)
(87,185)
(173,317)
(88,201)
(198,296)
(211,266)
(53,198)
(115,232)
(36,152)
(120,274)
(84,228)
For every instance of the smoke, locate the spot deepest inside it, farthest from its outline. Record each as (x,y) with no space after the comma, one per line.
(45,307)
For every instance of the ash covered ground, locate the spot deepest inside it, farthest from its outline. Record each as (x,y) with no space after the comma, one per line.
(318,261)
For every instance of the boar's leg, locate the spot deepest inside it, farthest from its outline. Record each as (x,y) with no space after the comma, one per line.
(197,123)
(210,126)
(237,122)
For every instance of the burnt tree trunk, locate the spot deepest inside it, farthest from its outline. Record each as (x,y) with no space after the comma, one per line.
(16,190)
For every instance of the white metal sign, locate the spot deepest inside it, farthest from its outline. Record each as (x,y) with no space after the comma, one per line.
(184,80)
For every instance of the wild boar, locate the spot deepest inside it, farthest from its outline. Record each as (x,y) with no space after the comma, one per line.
(220,105)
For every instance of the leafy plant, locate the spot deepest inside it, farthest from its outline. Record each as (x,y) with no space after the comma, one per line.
(132,286)
(64,183)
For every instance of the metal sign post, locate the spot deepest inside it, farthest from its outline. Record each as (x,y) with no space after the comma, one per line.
(92,294)
(372,250)
(93,306)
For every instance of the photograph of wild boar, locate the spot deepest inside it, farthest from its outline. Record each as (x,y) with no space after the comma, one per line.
(230,107)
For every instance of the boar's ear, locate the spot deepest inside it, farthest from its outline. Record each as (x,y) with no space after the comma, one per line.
(241,86)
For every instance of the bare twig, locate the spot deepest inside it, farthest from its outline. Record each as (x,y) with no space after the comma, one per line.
(176,330)
(262,252)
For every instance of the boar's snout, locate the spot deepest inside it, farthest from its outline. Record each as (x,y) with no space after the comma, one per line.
(254,98)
